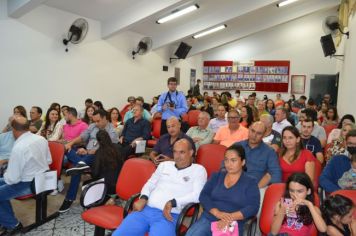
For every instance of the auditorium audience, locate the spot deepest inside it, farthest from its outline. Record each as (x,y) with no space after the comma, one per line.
(17,111)
(310,142)
(270,107)
(220,120)
(271,138)
(246,116)
(116,120)
(201,134)
(88,102)
(51,129)
(335,133)
(172,186)
(207,108)
(35,122)
(73,127)
(130,113)
(231,133)
(280,120)
(332,118)
(88,116)
(230,195)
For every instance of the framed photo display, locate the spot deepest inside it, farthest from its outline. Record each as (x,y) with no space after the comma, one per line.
(298,84)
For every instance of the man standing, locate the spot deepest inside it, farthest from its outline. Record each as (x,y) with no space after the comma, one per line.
(220,120)
(136,129)
(309,141)
(196,89)
(83,157)
(30,155)
(201,134)
(171,103)
(163,150)
(233,132)
(35,122)
(281,120)
(173,185)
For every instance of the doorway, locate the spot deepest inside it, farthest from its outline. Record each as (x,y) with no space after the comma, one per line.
(322,84)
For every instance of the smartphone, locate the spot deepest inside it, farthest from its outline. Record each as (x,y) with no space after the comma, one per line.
(288,202)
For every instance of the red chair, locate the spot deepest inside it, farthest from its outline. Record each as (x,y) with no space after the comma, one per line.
(133,176)
(273,194)
(328,129)
(349,194)
(193,117)
(210,156)
(185,117)
(57,153)
(156,132)
(295,110)
(124,110)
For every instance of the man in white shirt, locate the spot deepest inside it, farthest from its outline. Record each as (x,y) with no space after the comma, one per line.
(281,120)
(173,185)
(30,155)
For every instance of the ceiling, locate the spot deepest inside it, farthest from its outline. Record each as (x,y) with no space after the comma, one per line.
(242,17)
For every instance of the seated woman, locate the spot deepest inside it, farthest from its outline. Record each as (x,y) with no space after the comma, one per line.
(322,112)
(337,212)
(293,157)
(332,117)
(88,116)
(52,129)
(246,116)
(338,146)
(107,163)
(295,213)
(207,107)
(229,195)
(335,133)
(17,111)
(116,120)
(270,107)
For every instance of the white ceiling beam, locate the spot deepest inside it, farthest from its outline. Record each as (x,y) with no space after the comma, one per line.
(137,12)
(220,14)
(18,8)
(261,20)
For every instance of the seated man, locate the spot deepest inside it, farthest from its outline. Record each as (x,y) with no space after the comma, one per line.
(281,120)
(83,157)
(271,138)
(173,185)
(220,120)
(6,143)
(145,114)
(73,127)
(136,128)
(36,121)
(30,155)
(309,141)
(233,132)
(163,150)
(201,134)
(338,165)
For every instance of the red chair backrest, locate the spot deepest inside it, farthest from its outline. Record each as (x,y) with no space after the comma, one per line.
(349,194)
(273,194)
(57,153)
(295,109)
(156,128)
(124,110)
(210,156)
(185,117)
(329,128)
(193,117)
(133,175)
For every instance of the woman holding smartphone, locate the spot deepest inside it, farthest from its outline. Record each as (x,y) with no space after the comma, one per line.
(295,213)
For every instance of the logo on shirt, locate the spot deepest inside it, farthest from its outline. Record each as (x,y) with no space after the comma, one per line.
(186,178)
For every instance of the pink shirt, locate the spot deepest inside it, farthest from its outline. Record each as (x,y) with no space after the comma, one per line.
(70,131)
(227,138)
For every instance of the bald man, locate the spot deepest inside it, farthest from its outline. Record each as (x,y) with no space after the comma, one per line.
(173,185)
(29,156)
(163,150)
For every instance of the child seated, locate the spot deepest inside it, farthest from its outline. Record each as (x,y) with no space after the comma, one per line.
(348,179)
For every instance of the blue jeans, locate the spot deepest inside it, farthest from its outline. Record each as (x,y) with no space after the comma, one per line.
(75,179)
(200,228)
(8,192)
(149,220)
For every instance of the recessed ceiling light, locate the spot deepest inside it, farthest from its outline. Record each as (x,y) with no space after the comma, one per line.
(177,13)
(284,3)
(209,31)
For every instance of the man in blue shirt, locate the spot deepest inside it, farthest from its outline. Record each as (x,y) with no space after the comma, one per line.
(171,104)
(309,141)
(6,143)
(136,129)
(338,165)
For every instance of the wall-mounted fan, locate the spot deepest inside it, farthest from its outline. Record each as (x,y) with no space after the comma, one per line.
(332,25)
(77,32)
(143,47)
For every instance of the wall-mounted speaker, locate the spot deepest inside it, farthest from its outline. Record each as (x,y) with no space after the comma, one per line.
(165,68)
(182,50)
(327,44)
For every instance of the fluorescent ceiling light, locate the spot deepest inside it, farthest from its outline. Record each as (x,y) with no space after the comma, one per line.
(177,13)
(220,27)
(281,4)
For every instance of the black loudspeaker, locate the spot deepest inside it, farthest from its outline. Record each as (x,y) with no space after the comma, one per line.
(327,44)
(165,68)
(182,50)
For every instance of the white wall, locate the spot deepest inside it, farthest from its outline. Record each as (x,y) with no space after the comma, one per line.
(35,69)
(296,41)
(347,81)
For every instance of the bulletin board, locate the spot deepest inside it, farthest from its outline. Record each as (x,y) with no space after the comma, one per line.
(266,76)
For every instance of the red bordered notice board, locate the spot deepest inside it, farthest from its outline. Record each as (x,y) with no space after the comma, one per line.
(267,76)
